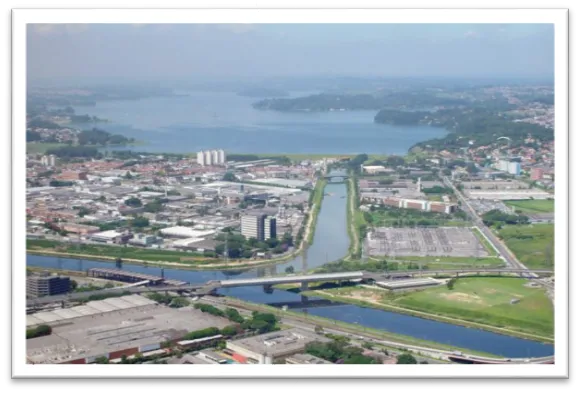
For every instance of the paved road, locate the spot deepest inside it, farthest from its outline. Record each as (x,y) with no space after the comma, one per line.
(506,254)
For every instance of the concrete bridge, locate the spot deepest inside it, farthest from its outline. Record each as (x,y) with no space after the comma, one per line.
(201,289)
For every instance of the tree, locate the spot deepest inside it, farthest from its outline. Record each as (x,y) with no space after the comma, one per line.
(133,202)
(73,285)
(153,207)
(406,358)
(229,331)
(179,302)
(367,345)
(83,211)
(140,222)
(450,283)
(289,270)
(102,360)
(229,176)
(318,329)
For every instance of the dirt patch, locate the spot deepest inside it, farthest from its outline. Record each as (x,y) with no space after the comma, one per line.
(365,296)
(490,291)
(462,297)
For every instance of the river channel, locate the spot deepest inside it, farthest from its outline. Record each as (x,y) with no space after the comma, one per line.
(331,243)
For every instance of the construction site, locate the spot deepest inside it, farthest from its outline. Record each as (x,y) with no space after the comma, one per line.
(443,241)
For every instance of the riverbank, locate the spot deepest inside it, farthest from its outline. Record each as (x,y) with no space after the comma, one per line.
(352,219)
(375,298)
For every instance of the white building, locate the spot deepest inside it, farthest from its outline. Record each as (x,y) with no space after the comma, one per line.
(52,160)
(215,159)
(514,168)
(201,158)
(503,165)
(208,157)
(222,157)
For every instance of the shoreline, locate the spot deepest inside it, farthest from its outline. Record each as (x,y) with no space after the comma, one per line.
(434,317)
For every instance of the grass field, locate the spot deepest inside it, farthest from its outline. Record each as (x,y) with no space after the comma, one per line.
(533,206)
(480,300)
(487,300)
(532,244)
(41,148)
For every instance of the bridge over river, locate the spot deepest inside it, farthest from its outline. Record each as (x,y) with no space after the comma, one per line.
(209,287)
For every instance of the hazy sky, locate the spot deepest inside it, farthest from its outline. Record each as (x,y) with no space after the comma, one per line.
(196,51)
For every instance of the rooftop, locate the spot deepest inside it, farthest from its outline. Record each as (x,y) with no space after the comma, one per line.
(112,325)
(278,343)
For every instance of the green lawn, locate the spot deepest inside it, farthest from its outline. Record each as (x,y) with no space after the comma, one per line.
(487,300)
(532,244)
(453,262)
(40,148)
(533,206)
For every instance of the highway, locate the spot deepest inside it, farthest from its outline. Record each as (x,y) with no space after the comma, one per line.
(505,254)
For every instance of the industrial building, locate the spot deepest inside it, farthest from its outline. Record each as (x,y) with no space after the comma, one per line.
(46,285)
(417,204)
(112,328)
(273,347)
(303,358)
(258,225)
(213,157)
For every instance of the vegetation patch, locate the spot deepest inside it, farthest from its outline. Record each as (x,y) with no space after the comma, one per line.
(533,245)
(533,206)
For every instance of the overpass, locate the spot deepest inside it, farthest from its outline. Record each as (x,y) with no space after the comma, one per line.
(294,279)
(209,287)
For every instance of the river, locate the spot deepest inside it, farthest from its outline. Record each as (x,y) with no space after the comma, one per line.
(331,243)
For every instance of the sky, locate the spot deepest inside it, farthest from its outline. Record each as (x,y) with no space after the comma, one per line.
(212,51)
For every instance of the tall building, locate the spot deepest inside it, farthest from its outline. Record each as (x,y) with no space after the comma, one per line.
(215,159)
(45,285)
(222,157)
(201,158)
(44,160)
(52,160)
(259,226)
(270,227)
(207,157)
(514,168)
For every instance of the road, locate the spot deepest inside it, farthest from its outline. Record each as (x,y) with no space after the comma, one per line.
(504,252)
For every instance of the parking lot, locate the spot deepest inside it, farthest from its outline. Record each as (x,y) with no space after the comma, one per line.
(484,205)
(448,241)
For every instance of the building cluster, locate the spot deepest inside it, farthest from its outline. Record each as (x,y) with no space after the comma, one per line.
(404,194)
(211,157)
(184,205)
(45,284)
(122,328)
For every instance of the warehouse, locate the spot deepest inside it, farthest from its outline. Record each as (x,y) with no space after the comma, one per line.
(112,328)
(185,232)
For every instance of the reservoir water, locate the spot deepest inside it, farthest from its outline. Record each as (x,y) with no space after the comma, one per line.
(331,243)
(209,120)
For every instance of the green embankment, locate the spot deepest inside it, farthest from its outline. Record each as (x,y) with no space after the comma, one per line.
(481,302)
(317,198)
(533,245)
(533,206)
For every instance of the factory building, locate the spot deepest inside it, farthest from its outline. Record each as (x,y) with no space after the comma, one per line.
(417,204)
(258,225)
(46,285)
(273,347)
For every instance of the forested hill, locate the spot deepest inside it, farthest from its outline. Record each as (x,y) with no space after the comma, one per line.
(329,102)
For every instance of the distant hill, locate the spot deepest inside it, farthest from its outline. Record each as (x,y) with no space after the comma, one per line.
(262,92)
